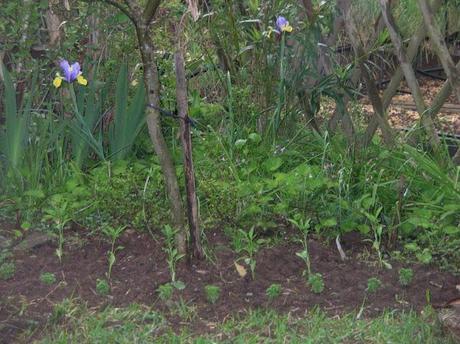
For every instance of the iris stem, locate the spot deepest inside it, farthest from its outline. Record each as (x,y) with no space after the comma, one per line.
(82,128)
(281,90)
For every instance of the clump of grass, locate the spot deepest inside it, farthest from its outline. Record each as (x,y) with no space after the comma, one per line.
(316,283)
(47,278)
(165,291)
(373,284)
(405,276)
(212,293)
(102,287)
(273,291)
(7,270)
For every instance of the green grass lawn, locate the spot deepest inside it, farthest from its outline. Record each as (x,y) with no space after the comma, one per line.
(74,323)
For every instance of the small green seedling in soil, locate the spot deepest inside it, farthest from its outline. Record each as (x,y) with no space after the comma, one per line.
(59,213)
(113,233)
(373,284)
(406,276)
(316,283)
(7,271)
(48,278)
(102,287)
(165,291)
(250,244)
(304,227)
(314,280)
(171,251)
(273,291)
(212,293)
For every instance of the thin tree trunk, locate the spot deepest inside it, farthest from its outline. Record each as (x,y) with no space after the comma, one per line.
(152,84)
(186,138)
(52,24)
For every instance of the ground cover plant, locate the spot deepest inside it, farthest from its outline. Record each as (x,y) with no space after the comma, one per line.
(221,171)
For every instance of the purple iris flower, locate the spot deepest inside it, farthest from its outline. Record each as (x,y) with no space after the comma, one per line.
(282,25)
(281,22)
(70,72)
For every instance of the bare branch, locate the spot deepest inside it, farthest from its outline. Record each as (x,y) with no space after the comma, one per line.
(440,46)
(119,6)
(150,10)
(409,74)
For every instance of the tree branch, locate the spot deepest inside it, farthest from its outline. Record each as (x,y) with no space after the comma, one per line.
(440,46)
(409,74)
(150,10)
(122,8)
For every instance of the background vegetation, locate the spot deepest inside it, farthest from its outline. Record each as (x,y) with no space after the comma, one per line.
(279,131)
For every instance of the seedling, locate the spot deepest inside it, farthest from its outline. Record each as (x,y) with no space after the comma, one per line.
(273,291)
(212,293)
(250,244)
(59,213)
(48,278)
(303,226)
(165,291)
(316,283)
(102,287)
(314,280)
(171,251)
(113,234)
(406,276)
(7,271)
(373,284)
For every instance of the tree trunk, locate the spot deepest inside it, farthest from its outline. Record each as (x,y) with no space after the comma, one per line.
(186,138)
(152,84)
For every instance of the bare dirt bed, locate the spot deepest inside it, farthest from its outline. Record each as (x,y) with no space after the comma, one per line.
(402,111)
(141,268)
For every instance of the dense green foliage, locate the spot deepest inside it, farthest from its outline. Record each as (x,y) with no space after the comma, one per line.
(258,164)
(266,153)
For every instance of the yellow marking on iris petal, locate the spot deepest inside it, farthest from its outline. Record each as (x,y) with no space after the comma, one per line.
(287,28)
(81,80)
(57,81)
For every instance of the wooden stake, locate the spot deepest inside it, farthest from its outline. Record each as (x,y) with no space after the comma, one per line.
(186,139)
